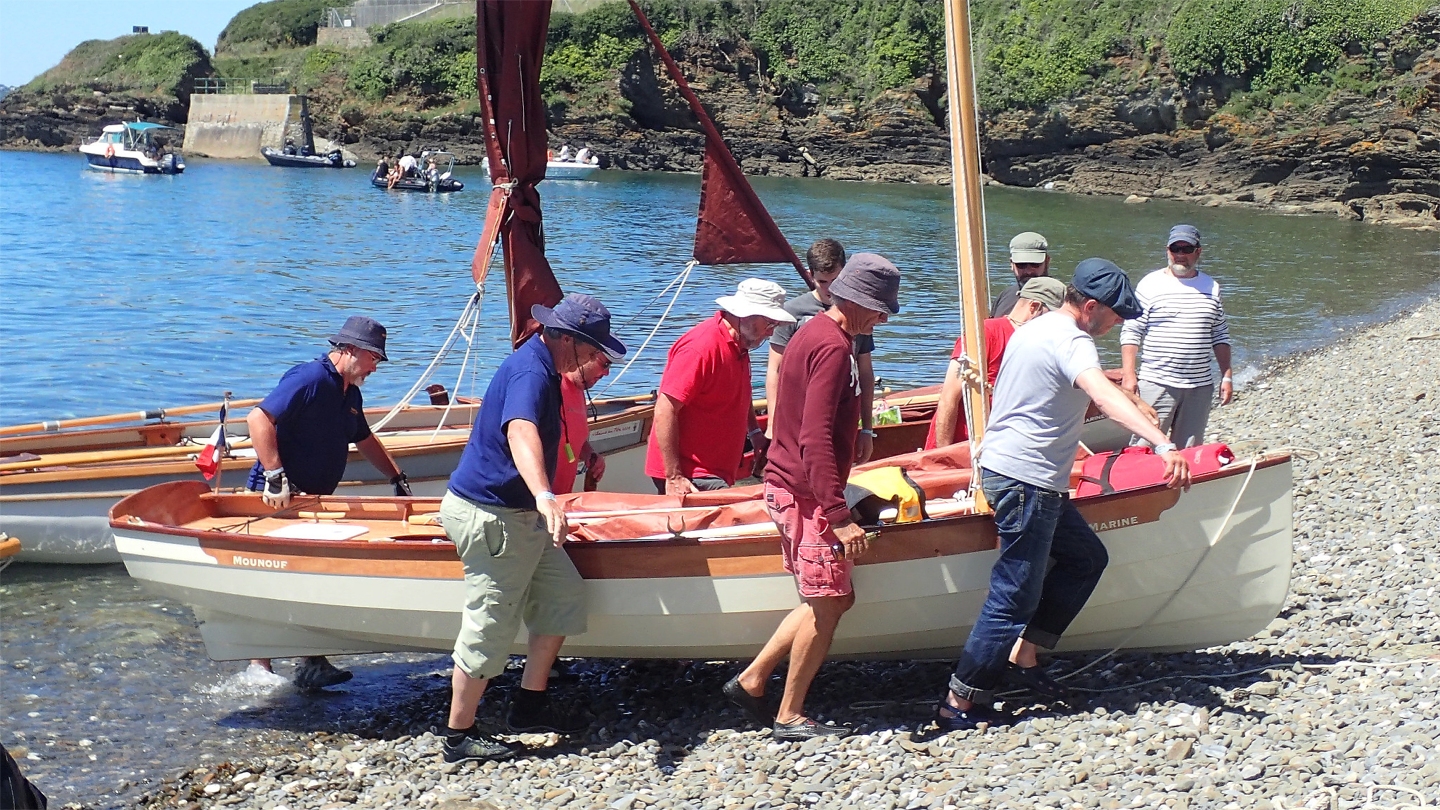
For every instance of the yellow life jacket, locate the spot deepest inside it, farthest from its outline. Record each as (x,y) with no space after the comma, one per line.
(868,492)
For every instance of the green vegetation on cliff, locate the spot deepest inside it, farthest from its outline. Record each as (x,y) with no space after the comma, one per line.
(162,64)
(276,24)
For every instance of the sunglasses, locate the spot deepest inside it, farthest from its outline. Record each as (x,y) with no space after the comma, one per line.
(1028,265)
(1183,249)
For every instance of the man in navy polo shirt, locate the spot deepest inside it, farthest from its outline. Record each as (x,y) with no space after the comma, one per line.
(501,513)
(302,434)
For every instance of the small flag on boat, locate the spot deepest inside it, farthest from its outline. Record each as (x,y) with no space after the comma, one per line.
(209,459)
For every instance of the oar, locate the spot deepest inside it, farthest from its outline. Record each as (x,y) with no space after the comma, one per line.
(134,416)
(104,456)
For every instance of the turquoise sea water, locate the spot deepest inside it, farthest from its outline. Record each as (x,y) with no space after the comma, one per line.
(128,292)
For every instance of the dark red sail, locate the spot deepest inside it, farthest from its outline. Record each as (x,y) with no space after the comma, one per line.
(509,46)
(733,225)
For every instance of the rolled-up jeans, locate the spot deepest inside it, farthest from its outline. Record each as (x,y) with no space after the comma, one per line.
(1035,525)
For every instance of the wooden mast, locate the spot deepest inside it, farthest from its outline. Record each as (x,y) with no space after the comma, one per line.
(969,220)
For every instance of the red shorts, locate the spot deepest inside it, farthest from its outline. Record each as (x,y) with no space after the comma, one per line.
(805,540)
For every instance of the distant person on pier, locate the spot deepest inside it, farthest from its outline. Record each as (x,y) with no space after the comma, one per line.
(1050,375)
(302,434)
(500,512)
(704,410)
(810,461)
(1029,258)
(1183,327)
(825,258)
(575,425)
(1039,296)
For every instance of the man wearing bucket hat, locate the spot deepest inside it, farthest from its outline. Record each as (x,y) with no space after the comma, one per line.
(810,458)
(1183,327)
(302,432)
(1040,295)
(500,512)
(703,409)
(1029,258)
(1050,374)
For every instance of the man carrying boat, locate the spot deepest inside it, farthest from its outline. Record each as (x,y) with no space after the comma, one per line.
(1039,295)
(1029,258)
(1050,374)
(302,434)
(810,461)
(825,258)
(1183,326)
(501,513)
(704,409)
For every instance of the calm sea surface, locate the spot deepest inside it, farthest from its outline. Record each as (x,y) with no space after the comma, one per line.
(121,293)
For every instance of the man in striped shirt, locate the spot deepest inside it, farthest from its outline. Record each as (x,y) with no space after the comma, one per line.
(1182,328)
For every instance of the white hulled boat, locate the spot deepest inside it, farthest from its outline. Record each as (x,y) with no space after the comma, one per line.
(132,148)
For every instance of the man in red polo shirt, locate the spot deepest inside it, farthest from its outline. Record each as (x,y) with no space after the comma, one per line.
(805,491)
(704,406)
(1040,295)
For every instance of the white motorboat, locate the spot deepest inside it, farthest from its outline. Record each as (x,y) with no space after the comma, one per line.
(561,169)
(132,148)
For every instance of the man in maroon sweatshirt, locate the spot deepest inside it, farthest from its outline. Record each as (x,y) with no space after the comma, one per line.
(810,457)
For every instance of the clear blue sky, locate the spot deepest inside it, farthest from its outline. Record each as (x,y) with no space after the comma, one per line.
(36,34)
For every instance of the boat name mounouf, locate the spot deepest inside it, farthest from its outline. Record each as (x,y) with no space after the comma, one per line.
(258,562)
(1117,523)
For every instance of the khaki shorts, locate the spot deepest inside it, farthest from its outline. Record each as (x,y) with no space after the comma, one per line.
(512,570)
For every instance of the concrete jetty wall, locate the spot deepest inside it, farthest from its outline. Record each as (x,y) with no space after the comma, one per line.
(237,126)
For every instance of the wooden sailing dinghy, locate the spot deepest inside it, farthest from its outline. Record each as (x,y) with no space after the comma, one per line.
(701,576)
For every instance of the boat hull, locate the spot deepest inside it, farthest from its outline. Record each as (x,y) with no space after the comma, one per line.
(917,593)
(278,158)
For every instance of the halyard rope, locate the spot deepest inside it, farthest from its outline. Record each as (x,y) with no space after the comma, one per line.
(682,278)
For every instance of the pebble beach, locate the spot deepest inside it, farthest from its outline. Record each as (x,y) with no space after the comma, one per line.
(1335,705)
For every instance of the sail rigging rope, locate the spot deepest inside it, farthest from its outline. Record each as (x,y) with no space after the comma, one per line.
(469,317)
(679,284)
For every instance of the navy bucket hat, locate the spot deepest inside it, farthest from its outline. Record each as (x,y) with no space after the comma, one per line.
(362,332)
(584,317)
(1104,281)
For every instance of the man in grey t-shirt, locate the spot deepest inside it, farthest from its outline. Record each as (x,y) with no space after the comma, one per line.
(1050,374)
(826,258)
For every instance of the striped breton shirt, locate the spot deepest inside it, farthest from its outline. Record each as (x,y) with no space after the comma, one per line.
(1183,323)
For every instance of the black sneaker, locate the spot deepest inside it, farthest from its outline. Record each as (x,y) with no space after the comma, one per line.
(1037,681)
(545,718)
(967,719)
(478,747)
(807,729)
(317,673)
(754,707)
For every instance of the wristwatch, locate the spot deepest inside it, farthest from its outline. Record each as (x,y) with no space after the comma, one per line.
(1162,449)
(547,495)
(867,432)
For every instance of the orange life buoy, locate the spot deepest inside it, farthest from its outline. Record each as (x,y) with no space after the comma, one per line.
(109,151)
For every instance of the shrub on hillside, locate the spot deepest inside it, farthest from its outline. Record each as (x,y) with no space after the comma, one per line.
(276,24)
(164,64)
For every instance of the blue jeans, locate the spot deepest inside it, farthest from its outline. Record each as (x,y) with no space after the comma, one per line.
(1035,525)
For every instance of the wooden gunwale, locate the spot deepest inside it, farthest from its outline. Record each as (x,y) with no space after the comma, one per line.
(609,559)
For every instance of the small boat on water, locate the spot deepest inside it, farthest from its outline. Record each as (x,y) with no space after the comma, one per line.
(701,576)
(132,148)
(9,547)
(560,169)
(335,159)
(441,180)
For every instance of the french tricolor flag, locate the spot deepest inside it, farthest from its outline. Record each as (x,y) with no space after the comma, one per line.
(209,459)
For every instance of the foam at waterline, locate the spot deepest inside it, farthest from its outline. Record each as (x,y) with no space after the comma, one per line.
(253,681)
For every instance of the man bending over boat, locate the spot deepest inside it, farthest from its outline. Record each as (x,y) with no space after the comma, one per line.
(805,491)
(1040,295)
(575,425)
(704,409)
(302,434)
(825,258)
(1050,374)
(501,514)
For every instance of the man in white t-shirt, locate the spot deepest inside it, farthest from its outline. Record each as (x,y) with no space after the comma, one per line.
(1050,374)
(1183,327)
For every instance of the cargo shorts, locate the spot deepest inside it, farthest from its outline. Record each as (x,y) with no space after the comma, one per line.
(512,571)
(807,544)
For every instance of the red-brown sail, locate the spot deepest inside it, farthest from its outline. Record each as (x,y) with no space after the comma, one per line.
(733,225)
(509,47)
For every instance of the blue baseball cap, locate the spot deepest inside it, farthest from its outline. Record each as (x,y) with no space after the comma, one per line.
(1104,281)
(584,317)
(1189,234)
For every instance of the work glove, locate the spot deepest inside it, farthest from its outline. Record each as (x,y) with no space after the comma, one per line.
(277,492)
(402,486)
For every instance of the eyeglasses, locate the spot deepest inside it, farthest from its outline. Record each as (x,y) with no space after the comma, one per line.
(1183,249)
(1028,265)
